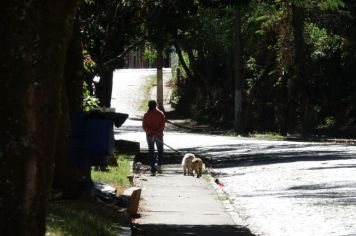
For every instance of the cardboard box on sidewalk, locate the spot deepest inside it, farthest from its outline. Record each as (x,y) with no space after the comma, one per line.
(134,195)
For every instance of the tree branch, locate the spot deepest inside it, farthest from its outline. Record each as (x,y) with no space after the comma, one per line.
(181,60)
(115,60)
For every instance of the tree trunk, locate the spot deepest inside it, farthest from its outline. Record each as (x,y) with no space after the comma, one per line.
(111,46)
(181,60)
(104,89)
(238,72)
(74,70)
(160,79)
(298,17)
(66,175)
(34,43)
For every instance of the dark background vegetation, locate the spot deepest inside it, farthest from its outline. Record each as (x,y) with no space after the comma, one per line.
(298,66)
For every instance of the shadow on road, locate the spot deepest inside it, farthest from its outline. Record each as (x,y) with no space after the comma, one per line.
(170,158)
(225,156)
(206,230)
(333,193)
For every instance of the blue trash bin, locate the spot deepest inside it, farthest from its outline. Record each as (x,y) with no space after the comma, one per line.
(99,141)
(91,140)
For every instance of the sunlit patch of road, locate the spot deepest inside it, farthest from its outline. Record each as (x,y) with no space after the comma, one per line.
(128,89)
(297,198)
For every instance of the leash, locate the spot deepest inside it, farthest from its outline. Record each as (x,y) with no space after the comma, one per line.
(177,150)
(169,147)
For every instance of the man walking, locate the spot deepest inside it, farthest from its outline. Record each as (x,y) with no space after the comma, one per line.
(153,124)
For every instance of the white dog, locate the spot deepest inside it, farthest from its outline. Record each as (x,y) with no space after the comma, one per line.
(187,163)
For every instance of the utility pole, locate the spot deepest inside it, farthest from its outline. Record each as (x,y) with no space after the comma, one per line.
(160,79)
(237,70)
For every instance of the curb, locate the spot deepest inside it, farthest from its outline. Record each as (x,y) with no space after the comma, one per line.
(226,201)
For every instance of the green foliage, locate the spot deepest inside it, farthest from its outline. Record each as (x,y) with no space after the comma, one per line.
(331,4)
(328,122)
(322,4)
(263,18)
(149,53)
(323,43)
(88,63)
(163,19)
(89,101)
(89,2)
(116,176)
(183,73)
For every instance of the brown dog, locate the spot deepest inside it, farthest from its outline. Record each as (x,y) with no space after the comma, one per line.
(197,166)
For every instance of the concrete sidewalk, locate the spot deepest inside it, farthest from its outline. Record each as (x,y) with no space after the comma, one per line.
(171,203)
(174,204)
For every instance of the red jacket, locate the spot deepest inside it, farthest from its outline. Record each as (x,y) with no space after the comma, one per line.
(153,123)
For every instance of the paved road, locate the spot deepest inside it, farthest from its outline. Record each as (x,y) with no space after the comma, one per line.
(277,188)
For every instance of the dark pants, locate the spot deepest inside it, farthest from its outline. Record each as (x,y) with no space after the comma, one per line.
(151,151)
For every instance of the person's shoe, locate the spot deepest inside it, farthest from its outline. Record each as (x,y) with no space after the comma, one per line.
(159,169)
(153,174)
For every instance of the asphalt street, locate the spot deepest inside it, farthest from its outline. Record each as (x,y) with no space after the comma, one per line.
(276,187)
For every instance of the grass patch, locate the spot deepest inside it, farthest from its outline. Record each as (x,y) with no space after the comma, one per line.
(82,218)
(116,176)
(232,133)
(87,216)
(268,136)
(222,197)
(147,89)
(265,136)
(206,177)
